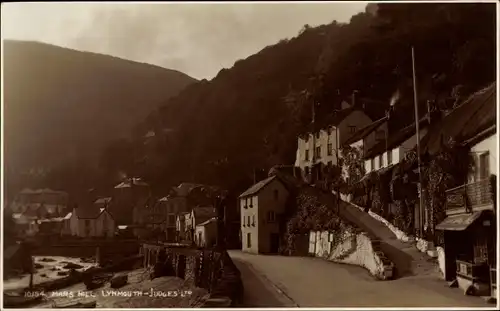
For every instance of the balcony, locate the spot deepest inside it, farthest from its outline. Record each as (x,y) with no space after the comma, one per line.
(475,196)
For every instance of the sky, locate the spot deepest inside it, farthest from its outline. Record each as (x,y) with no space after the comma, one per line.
(198,39)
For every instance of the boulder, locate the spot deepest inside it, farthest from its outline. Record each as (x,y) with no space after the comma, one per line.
(119,281)
(71,265)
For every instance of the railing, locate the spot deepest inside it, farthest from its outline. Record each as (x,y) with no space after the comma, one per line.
(469,196)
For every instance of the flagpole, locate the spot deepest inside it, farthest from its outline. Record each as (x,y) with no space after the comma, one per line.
(417,127)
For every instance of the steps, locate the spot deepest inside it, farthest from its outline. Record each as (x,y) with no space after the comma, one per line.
(407,259)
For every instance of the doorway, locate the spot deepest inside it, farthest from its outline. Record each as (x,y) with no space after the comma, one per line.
(274,243)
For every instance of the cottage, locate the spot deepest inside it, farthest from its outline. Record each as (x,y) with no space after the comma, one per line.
(261,206)
(320,146)
(206,233)
(469,228)
(197,216)
(92,221)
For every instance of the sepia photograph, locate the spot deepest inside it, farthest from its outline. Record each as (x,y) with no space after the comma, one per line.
(249,155)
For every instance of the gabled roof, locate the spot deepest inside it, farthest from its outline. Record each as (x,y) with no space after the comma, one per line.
(395,139)
(365,131)
(475,115)
(90,212)
(204,212)
(102,200)
(211,220)
(184,188)
(332,119)
(258,186)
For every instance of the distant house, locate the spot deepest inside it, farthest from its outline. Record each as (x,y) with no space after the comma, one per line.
(92,221)
(261,206)
(320,145)
(197,216)
(366,137)
(126,195)
(45,203)
(206,233)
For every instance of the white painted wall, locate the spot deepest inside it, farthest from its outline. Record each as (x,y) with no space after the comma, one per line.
(398,153)
(261,204)
(489,144)
(353,248)
(335,136)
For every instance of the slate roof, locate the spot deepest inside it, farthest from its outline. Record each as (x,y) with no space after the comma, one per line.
(474,115)
(258,186)
(395,139)
(184,188)
(365,131)
(211,220)
(88,212)
(102,201)
(332,119)
(202,214)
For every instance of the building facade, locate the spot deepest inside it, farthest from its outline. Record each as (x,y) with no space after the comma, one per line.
(89,222)
(321,145)
(261,208)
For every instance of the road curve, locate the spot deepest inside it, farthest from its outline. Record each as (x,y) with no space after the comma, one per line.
(280,281)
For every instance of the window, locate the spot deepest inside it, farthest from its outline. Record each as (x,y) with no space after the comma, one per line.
(380,135)
(352,129)
(251,202)
(248,221)
(318,153)
(249,240)
(389,157)
(380,162)
(307,155)
(373,163)
(271,216)
(276,194)
(484,166)
(317,134)
(330,149)
(253,220)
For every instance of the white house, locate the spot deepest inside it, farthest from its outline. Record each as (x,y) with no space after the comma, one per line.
(390,152)
(206,233)
(92,221)
(261,206)
(322,144)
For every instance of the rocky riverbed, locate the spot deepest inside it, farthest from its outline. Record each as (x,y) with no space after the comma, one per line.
(140,292)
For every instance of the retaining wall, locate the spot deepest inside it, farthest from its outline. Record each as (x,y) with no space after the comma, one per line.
(355,248)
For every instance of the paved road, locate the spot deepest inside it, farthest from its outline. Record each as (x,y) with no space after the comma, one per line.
(278,281)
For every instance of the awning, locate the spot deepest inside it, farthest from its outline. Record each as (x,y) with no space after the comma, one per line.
(458,222)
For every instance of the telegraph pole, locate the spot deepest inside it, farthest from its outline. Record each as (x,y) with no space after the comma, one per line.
(417,127)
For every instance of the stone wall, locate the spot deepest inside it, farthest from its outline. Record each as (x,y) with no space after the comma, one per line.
(208,269)
(355,248)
